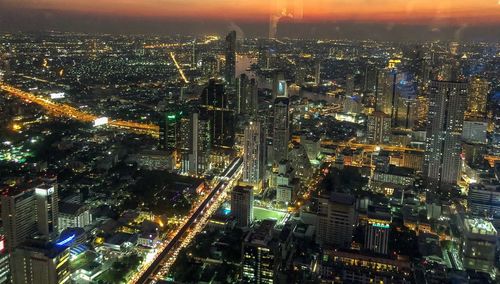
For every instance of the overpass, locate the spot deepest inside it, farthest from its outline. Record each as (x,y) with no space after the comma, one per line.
(186,231)
(74,113)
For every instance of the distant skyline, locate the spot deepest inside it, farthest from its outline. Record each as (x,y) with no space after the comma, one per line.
(326,18)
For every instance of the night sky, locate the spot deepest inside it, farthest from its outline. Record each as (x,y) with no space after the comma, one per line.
(378,19)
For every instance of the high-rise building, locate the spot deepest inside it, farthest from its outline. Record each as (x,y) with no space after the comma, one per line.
(169,130)
(478,96)
(479,245)
(4,263)
(34,263)
(253,153)
(279,87)
(247,101)
(483,201)
(18,216)
(317,73)
(386,97)
(444,129)
(230,52)
(281,129)
(377,230)
(199,148)
(336,219)
(285,190)
(47,202)
(242,205)
(259,256)
(379,128)
(214,105)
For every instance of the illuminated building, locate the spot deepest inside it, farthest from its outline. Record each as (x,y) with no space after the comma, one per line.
(242,205)
(483,200)
(379,128)
(253,153)
(317,73)
(4,262)
(444,129)
(214,105)
(285,187)
(422,111)
(386,98)
(47,201)
(406,104)
(34,263)
(258,258)
(169,130)
(281,129)
(279,87)
(200,146)
(377,231)
(342,266)
(479,245)
(478,96)
(72,215)
(336,219)
(230,52)
(18,216)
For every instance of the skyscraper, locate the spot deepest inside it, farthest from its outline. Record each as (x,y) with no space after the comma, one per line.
(214,105)
(47,202)
(169,130)
(377,231)
(336,218)
(379,128)
(386,98)
(247,101)
(242,205)
(279,88)
(199,148)
(230,52)
(18,216)
(253,153)
(281,129)
(476,101)
(34,263)
(444,129)
(259,254)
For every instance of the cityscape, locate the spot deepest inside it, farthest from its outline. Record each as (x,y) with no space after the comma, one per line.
(274,144)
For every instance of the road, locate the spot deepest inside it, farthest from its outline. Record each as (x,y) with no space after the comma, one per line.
(184,232)
(72,112)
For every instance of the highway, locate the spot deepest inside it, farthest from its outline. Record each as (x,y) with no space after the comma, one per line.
(72,112)
(153,270)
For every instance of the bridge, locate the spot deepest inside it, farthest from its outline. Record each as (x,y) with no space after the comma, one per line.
(74,113)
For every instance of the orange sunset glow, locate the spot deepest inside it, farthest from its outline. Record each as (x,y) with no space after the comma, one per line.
(451,11)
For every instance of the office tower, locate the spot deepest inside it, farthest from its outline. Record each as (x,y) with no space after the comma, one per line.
(263,60)
(279,88)
(479,245)
(377,230)
(47,202)
(34,263)
(214,105)
(199,148)
(247,101)
(386,92)
(474,131)
(478,96)
(18,216)
(444,128)
(169,130)
(379,128)
(4,262)
(281,130)
(336,219)
(73,215)
(258,257)
(253,153)
(317,73)
(242,205)
(193,55)
(185,142)
(230,52)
